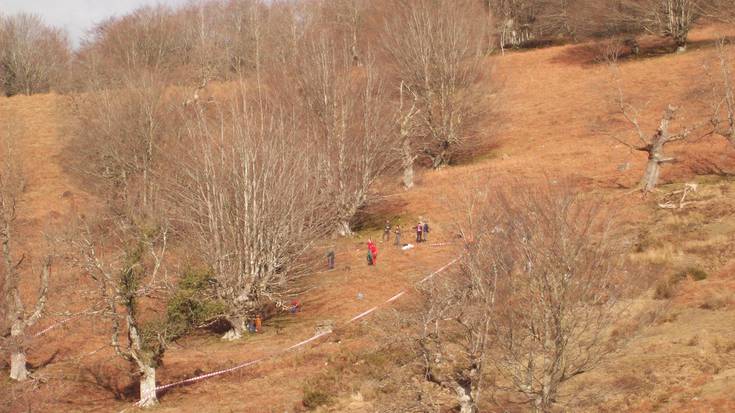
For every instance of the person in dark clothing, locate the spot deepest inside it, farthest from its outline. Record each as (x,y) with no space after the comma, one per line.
(330,260)
(386,231)
(398,235)
(419,232)
(426,231)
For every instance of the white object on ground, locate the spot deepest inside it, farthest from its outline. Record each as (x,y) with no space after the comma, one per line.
(407,247)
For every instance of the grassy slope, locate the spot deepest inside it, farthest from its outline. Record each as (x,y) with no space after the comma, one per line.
(547,120)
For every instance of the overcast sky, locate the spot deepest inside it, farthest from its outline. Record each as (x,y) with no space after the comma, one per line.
(77,16)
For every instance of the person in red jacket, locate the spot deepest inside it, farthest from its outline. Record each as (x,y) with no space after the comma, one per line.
(373,251)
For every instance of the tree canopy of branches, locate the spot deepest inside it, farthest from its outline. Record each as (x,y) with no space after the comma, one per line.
(435,49)
(347,119)
(34,57)
(125,257)
(120,132)
(529,307)
(252,200)
(668,18)
(15,319)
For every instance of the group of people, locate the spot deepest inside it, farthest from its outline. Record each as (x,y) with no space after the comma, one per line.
(422,232)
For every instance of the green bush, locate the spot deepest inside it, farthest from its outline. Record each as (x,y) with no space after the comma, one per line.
(191,304)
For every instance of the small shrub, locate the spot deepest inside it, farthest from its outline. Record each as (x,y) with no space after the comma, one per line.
(314,398)
(714,301)
(696,273)
(664,290)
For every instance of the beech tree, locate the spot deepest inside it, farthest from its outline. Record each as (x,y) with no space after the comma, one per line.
(34,57)
(723,93)
(119,131)
(252,200)
(668,18)
(654,143)
(529,306)
(16,320)
(435,48)
(346,118)
(125,258)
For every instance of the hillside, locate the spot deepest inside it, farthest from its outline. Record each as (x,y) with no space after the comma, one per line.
(550,116)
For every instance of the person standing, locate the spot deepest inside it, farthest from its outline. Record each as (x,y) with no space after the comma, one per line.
(374,252)
(419,232)
(426,231)
(398,235)
(258,324)
(330,260)
(386,231)
(370,260)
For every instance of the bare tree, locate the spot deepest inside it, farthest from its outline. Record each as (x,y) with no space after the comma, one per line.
(723,118)
(529,306)
(120,132)
(252,200)
(149,40)
(652,144)
(34,57)
(668,18)
(16,319)
(436,49)
(558,279)
(346,117)
(406,132)
(125,258)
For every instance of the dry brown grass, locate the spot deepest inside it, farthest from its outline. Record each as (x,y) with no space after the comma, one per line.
(550,112)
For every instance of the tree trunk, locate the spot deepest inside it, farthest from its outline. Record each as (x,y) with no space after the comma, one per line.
(650,177)
(408,176)
(18,369)
(464,397)
(440,160)
(343,229)
(148,387)
(237,327)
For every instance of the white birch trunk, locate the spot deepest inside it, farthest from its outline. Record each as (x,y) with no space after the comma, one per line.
(148,396)
(466,402)
(236,330)
(18,369)
(343,229)
(650,177)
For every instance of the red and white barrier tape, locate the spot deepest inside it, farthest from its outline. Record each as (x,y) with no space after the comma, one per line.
(62,322)
(299,344)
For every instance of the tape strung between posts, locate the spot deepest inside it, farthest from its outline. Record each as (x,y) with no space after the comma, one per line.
(297,345)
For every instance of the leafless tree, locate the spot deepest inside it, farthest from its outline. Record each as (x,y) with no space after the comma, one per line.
(514,19)
(407,124)
(252,200)
(531,303)
(346,116)
(668,18)
(16,320)
(652,144)
(120,132)
(558,277)
(34,57)
(149,40)
(125,258)
(436,49)
(723,118)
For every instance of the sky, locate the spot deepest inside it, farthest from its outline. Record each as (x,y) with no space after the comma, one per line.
(77,16)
